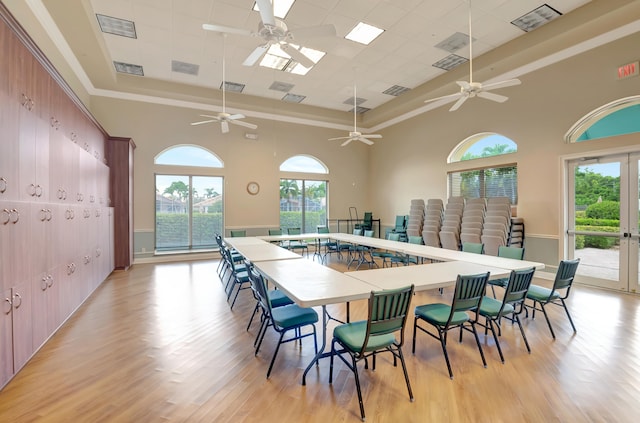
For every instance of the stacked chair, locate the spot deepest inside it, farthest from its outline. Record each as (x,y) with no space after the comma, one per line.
(472,221)
(432,222)
(451,223)
(416,218)
(497,224)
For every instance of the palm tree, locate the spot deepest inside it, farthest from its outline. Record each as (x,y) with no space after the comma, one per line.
(288,189)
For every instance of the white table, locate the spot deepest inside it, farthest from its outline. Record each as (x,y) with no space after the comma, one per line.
(425,276)
(243,240)
(311,284)
(265,252)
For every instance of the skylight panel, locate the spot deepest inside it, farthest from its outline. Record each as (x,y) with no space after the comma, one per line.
(280,7)
(364,33)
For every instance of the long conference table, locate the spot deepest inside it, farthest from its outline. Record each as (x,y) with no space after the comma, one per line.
(311,284)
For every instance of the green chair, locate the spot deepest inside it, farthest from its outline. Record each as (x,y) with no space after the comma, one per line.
(401,227)
(239,279)
(556,295)
(463,313)
(510,307)
(283,319)
(516,253)
(238,233)
(297,244)
(473,247)
(367,222)
(387,317)
(387,255)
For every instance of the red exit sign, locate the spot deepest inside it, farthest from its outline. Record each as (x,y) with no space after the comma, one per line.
(630,69)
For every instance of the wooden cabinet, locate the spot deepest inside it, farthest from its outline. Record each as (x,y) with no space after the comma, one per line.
(16,327)
(120,157)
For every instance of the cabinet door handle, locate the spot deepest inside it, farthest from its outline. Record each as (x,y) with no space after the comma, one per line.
(7,310)
(17,306)
(38,191)
(43,283)
(43,215)
(49,281)
(15,216)
(3,184)
(31,190)
(6,216)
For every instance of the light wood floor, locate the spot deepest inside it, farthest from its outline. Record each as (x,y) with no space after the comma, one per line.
(159,344)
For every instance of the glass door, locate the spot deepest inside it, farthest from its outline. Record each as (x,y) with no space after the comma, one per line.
(603,220)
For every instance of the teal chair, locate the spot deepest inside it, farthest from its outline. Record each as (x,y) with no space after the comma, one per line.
(557,295)
(516,253)
(401,227)
(387,255)
(383,331)
(297,244)
(463,313)
(282,319)
(276,298)
(367,222)
(510,307)
(238,233)
(473,247)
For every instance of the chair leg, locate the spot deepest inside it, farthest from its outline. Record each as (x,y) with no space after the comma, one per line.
(406,374)
(522,332)
(253,314)
(333,353)
(443,343)
(355,375)
(495,337)
(553,335)
(564,305)
(475,333)
(275,354)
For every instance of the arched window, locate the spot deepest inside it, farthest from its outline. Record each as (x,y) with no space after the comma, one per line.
(303,202)
(616,118)
(189,203)
(303,164)
(484,182)
(188,155)
(484,144)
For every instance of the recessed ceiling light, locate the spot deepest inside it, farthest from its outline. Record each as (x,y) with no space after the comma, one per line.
(364,33)
(280,7)
(116,26)
(450,62)
(536,18)
(128,68)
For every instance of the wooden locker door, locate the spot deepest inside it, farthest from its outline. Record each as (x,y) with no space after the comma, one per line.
(14,242)
(40,309)
(22,339)
(6,337)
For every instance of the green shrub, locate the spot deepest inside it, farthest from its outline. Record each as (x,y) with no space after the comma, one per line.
(579,242)
(604,210)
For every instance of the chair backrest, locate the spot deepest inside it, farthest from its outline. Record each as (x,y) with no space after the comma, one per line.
(415,239)
(368,218)
(468,293)
(294,231)
(400,223)
(517,287)
(393,236)
(357,231)
(511,252)
(368,233)
(275,231)
(322,230)
(565,274)
(388,310)
(473,247)
(259,287)
(236,233)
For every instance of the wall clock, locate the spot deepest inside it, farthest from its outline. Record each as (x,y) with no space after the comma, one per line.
(253,188)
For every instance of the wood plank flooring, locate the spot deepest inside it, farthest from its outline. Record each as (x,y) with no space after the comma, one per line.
(159,344)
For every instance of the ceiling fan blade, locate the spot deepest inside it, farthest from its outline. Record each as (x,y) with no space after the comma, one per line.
(202,122)
(449,97)
(501,84)
(236,116)
(492,96)
(245,124)
(371,136)
(313,32)
(338,138)
(266,12)
(458,103)
(256,55)
(209,116)
(225,126)
(346,142)
(297,55)
(364,140)
(226,29)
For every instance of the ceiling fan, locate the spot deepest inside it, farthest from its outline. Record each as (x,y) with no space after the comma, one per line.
(475,89)
(223,117)
(274,31)
(355,135)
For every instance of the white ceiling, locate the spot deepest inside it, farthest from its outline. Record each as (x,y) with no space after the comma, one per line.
(403,55)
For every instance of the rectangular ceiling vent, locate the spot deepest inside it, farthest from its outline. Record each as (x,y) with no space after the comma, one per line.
(360,110)
(281,86)
(183,67)
(536,18)
(293,98)
(396,90)
(454,42)
(116,26)
(233,87)
(450,62)
(128,68)
(359,100)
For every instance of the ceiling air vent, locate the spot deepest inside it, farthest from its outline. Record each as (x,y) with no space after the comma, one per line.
(454,42)
(450,62)
(183,67)
(360,110)
(536,18)
(281,86)
(232,87)
(116,26)
(396,90)
(293,98)
(129,68)
(359,100)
